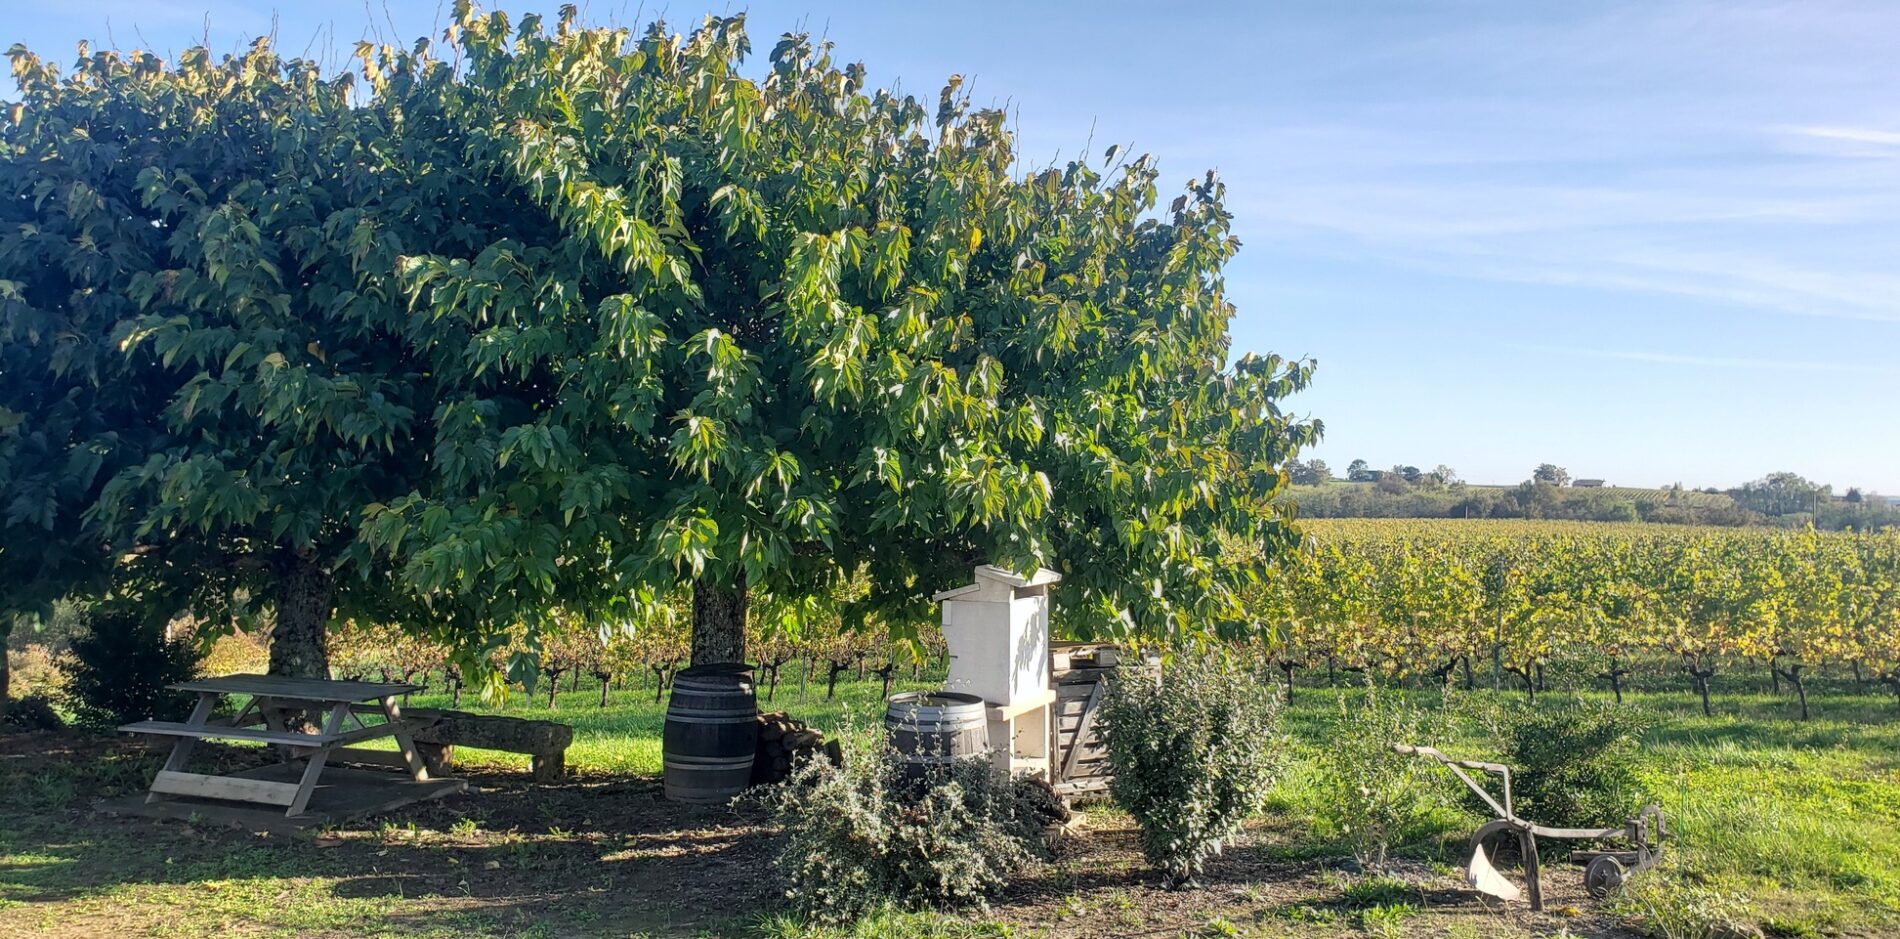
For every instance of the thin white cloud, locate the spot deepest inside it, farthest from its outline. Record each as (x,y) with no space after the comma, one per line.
(1707,361)
(1888,138)
(1621,148)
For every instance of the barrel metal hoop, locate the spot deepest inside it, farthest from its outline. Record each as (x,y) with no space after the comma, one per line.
(679,761)
(712,717)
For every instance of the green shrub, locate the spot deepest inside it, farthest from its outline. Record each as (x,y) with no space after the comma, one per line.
(119,668)
(1575,764)
(861,837)
(33,712)
(1373,797)
(1194,756)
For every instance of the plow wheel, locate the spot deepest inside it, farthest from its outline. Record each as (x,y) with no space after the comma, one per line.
(1604,875)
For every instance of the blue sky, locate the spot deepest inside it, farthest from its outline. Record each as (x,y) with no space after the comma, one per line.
(1650,241)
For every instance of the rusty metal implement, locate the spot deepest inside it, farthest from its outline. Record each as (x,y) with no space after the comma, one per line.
(1637,845)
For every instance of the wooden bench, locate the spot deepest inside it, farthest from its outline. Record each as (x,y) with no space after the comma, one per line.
(545,742)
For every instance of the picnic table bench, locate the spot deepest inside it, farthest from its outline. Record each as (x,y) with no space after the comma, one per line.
(279,705)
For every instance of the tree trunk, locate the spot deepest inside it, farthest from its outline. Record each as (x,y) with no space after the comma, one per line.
(1615,675)
(719,621)
(299,646)
(6,676)
(660,674)
(606,683)
(1528,675)
(1793,674)
(1471,683)
(1693,665)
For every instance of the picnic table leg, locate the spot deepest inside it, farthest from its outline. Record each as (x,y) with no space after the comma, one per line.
(181,748)
(404,742)
(308,784)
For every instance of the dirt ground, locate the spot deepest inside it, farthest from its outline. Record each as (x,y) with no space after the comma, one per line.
(608,856)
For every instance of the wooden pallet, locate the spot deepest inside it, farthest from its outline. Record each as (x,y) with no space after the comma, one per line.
(1080,760)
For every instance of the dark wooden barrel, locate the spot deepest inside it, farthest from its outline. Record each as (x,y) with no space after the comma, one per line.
(711,733)
(930,728)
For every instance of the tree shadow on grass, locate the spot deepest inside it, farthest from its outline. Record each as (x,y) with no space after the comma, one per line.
(608,849)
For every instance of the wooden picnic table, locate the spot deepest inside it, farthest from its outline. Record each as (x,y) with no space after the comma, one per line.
(274,715)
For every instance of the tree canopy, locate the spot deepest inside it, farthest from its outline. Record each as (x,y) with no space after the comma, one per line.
(569,319)
(1551,474)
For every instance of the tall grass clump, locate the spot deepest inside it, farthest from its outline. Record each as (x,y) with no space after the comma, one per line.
(1374,798)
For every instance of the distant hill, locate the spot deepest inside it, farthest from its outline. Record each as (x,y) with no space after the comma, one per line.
(1391,498)
(1394,498)
(1638,495)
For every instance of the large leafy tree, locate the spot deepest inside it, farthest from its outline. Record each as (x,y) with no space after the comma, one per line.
(573,318)
(202,388)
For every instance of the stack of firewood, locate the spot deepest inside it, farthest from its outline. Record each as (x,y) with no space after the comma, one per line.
(783,743)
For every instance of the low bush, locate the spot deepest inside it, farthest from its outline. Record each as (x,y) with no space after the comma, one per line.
(1195,754)
(861,837)
(1373,797)
(1576,764)
(33,712)
(35,670)
(118,669)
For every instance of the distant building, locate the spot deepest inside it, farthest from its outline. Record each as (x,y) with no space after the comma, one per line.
(1588,483)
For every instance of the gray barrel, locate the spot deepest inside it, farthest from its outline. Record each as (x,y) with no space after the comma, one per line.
(930,728)
(711,733)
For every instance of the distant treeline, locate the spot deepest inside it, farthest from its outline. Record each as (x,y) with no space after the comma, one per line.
(1781,500)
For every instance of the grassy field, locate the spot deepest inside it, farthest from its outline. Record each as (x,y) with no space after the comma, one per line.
(1793,826)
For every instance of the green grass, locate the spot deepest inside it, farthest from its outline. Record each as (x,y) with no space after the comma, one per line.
(1799,819)
(624,737)
(1797,823)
